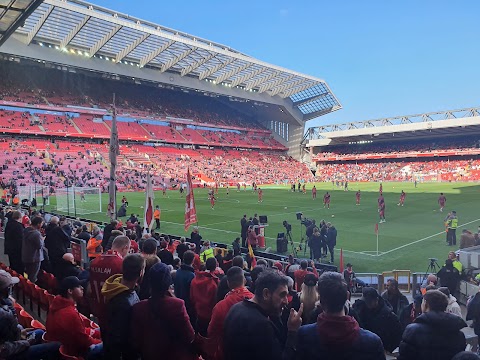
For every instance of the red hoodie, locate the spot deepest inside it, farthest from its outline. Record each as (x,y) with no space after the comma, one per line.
(65,325)
(203,293)
(299,276)
(220,311)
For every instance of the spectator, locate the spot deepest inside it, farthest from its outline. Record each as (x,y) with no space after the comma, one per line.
(15,342)
(84,234)
(203,291)
(466,239)
(434,334)
(336,335)
(161,323)
(452,307)
(65,325)
(120,296)
(206,252)
(32,248)
(411,312)
(466,355)
(238,292)
(250,329)
(308,296)
(219,258)
(299,275)
(351,279)
(223,287)
(182,248)
(376,316)
(57,242)
(107,232)
(331,240)
(196,238)
(104,266)
(456,264)
(183,280)
(94,245)
(165,256)
(430,280)
(149,253)
(394,297)
(13,242)
(68,267)
(113,236)
(236,247)
(449,276)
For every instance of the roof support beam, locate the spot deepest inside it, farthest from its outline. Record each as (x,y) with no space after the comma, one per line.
(261,80)
(242,79)
(214,69)
(149,57)
(292,90)
(197,64)
(99,44)
(175,60)
(127,50)
(312,98)
(231,73)
(267,86)
(65,41)
(36,28)
(284,87)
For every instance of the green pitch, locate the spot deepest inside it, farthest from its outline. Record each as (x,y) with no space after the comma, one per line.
(412,234)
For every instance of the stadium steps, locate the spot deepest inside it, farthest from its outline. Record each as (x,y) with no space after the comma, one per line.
(76,126)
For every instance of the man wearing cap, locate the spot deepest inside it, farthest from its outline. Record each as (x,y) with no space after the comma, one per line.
(65,325)
(335,335)
(13,242)
(160,326)
(15,342)
(376,316)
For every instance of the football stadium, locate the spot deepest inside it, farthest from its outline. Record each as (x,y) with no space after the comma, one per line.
(113,128)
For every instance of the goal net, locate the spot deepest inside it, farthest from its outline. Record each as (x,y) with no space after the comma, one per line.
(79,200)
(30,192)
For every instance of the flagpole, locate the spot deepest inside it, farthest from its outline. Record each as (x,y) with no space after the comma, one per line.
(377,243)
(113,153)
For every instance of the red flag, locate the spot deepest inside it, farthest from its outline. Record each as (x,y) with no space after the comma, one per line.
(190,211)
(252,256)
(376,229)
(341,260)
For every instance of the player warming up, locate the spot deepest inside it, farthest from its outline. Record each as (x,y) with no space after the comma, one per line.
(381,189)
(358,195)
(380,200)
(381,208)
(441,201)
(326,200)
(260,195)
(314,192)
(212,201)
(402,198)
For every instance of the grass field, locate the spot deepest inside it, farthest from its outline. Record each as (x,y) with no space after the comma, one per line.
(411,235)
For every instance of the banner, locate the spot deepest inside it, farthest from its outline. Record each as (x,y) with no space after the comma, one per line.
(149,196)
(190,211)
(113,153)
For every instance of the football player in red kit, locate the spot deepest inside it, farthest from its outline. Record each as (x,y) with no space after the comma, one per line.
(381,189)
(441,201)
(326,200)
(212,201)
(260,195)
(382,211)
(314,192)
(402,198)
(357,197)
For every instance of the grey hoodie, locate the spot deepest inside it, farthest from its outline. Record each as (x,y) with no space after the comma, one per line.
(32,246)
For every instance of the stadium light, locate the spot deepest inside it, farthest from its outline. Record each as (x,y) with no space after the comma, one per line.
(41,44)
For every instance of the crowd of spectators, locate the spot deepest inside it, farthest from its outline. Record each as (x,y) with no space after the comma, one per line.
(214,306)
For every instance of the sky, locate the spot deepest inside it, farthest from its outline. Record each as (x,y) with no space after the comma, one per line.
(380,58)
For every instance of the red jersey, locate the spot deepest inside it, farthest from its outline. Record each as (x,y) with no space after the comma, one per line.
(357,195)
(326,198)
(101,268)
(403,195)
(314,191)
(442,199)
(260,194)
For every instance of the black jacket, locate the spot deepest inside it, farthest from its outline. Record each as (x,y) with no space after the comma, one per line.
(236,248)
(181,249)
(116,336)
(13,238)
(196,238)
(250,334)
(332,236)
(166,256)
(243,226)
(381,321)
(434,335)
(106,235)
(473,313)
(64,269)
(449,277)
(57,243)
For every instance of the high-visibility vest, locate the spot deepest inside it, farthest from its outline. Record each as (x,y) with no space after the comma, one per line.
(453,223)
(156,214)
(206,254)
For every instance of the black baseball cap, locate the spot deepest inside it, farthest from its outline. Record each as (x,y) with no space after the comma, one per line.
(70,282)
(369,294)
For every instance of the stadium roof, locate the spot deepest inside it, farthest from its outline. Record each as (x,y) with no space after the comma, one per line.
(12,15)
(93,31)
(433,124)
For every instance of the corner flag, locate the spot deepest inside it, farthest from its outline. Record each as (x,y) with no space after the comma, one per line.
(190,210)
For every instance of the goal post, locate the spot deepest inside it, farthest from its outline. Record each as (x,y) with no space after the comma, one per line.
(79,200)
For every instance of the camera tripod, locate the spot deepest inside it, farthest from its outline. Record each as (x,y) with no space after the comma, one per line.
(290,240)
(432,268)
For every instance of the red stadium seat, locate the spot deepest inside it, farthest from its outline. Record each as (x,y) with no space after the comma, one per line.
(18,308)
(35,296)
(25,319)
(44,300)
(37,325)
(52,283)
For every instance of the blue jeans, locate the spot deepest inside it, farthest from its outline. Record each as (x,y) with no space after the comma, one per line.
(95,352)
(38,351)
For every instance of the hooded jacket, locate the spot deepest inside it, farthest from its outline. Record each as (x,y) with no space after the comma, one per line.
(119,302)
(453,307)
(337,338)
(220,311)
(203,292)
(13,238)
(65,325)
(433,335)
(381,321)
(144,291)
(32,246)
